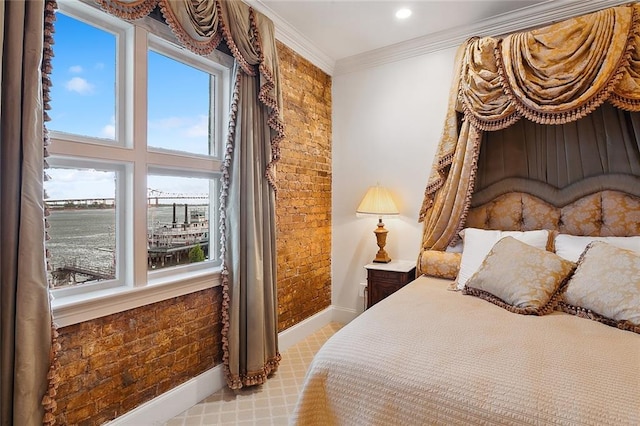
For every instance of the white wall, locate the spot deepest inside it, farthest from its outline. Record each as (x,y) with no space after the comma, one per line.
(386,127)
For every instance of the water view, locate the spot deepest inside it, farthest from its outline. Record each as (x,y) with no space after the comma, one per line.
(83,240)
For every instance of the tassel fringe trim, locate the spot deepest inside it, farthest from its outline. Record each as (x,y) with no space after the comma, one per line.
(53,376)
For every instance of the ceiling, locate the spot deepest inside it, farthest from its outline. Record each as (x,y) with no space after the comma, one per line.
(342,36)
(344,28)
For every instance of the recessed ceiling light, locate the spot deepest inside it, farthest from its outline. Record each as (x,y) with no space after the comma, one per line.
(403,13)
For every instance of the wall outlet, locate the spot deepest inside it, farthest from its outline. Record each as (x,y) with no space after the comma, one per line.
(361,289)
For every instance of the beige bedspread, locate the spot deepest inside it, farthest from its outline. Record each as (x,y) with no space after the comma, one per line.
(428,356)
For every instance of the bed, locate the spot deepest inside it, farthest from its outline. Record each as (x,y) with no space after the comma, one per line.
(527,305)
(430,355)
(465,361)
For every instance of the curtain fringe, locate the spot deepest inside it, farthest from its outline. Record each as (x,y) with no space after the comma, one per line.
(226,33)
(202,48)
(128,11)
(455,238)
(238,381)
(588,106)
(53,376)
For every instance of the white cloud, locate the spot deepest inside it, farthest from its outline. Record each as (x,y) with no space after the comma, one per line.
(79,183)
(99,66)
(188,126)
(76,69)
(188,134)
(79,85)
(168,123)
(200,128)
(109,130)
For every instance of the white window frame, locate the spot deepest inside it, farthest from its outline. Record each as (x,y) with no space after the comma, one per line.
(134,285)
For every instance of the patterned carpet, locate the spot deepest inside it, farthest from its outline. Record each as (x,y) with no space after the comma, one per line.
(269,404)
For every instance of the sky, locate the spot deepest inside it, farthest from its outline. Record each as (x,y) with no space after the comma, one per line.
(83,102)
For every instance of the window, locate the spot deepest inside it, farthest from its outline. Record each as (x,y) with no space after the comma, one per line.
(136,128)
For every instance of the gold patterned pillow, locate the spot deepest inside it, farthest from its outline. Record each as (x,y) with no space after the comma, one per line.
(606,287)
(440,264)
(520,278)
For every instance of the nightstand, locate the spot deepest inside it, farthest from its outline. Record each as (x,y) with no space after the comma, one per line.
(384,279)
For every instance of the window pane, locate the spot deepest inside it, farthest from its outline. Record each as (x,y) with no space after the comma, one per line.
(83,95)
(83,225)
(178,106)
(177,220)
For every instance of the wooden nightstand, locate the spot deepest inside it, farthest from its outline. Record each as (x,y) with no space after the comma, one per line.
(384,279)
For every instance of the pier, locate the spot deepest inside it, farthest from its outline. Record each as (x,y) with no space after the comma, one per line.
(171,241)
(75,272)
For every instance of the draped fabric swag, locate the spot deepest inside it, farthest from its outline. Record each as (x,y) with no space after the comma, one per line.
(256,127)
(552,75)
(27,337)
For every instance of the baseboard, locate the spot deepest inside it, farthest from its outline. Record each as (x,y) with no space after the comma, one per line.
(343,315)
(171,403)
(304,328)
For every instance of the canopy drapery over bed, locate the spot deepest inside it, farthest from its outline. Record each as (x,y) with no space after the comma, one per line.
(552,75)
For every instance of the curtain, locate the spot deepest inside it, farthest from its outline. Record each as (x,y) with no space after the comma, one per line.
(552,76)
(248,189)
(26,326)
(250,306)
(604,142)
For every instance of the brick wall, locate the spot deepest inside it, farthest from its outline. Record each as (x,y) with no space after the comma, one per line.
(303,208)
(113,364)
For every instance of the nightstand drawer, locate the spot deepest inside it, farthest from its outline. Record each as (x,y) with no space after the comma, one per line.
(390,276)
(386,278)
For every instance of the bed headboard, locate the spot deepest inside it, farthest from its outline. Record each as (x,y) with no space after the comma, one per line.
(607,205)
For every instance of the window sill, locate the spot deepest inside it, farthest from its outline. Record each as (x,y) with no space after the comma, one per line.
(75,309)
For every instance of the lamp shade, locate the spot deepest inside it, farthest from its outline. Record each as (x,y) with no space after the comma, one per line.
(378,201)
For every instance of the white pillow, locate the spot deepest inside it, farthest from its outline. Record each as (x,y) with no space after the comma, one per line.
(455,249)
(570,247)
(479,242)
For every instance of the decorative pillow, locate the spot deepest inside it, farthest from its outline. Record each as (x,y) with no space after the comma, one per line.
(571,247)
(478,243)
(440,264)
(520,278)
(606,287)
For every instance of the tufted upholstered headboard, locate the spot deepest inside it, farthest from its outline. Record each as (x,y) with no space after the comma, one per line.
(607,205)
(601,206)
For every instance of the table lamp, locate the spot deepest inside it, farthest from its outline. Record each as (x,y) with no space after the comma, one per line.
(377,201)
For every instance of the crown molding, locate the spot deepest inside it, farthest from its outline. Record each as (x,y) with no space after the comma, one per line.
(529,17)
(294,39)
(533,16)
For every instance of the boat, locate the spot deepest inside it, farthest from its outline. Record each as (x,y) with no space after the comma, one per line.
(172,242)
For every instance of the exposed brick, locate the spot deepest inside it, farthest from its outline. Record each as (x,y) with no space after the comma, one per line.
(303,208)
(112,364)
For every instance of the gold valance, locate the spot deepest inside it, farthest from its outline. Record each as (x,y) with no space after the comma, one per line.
(200,25)
(551,75)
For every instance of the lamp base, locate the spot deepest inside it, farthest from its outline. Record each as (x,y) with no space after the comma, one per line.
(382,257)
(381,239)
